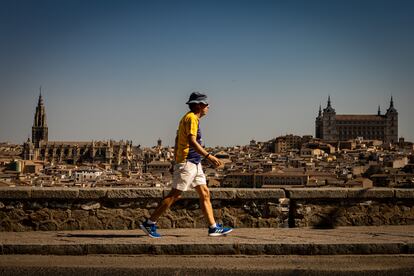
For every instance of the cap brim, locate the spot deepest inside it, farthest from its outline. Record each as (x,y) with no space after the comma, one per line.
(196,102)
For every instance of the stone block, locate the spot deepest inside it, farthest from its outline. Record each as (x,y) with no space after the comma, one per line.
(48,226)
(55,193)
(215,193)
(15,193)
(131,193)
(79,214)
(94,193)
(92,222)
(370,193)
(223,193)
(270,194)
(190,194)
(91,206)
(317,193)
(59,215)
(404,193)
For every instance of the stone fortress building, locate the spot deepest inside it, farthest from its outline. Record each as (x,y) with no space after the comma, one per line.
(115,154)
(330,126)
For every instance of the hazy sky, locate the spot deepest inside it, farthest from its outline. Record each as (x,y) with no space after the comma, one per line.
(124,69)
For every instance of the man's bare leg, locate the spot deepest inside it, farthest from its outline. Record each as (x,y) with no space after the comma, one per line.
(206,207)
(166,203)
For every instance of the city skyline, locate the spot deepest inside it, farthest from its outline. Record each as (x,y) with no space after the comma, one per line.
(124,70)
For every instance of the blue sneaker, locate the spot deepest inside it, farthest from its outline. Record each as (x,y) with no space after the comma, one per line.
(150,229)
(219,231)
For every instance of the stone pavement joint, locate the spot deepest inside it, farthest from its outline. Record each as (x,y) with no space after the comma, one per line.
(363,240)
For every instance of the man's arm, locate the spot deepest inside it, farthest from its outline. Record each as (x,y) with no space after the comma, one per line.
(175,154)
(175,146)
(198,148)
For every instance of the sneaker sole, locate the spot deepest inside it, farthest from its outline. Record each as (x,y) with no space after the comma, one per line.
(219,234)
(146,232)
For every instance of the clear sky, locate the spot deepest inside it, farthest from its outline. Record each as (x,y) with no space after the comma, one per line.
(124,69)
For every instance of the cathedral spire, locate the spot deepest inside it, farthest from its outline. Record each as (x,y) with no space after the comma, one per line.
(40,115)
(391,109)
(320,110)
(39,129)
(379,110)
(329,107)
(40,101)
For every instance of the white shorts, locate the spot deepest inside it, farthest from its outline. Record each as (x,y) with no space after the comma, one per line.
(188,175)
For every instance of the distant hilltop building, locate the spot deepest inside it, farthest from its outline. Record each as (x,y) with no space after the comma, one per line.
(116,154)
(330,126)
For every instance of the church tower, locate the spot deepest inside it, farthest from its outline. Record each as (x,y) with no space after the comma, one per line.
(39,129)
(318,124)
(391,124)
(328,130)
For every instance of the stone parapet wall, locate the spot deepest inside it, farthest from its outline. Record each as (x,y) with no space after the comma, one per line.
(32,209)
(327,208)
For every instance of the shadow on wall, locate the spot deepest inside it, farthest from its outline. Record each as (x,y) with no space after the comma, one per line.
(327,220)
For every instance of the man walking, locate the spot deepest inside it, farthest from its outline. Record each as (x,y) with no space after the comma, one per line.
(188,172)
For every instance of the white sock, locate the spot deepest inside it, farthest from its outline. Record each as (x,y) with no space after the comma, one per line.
(213,226)
(150,222)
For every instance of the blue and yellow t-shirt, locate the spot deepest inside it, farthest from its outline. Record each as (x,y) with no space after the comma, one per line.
(189,124)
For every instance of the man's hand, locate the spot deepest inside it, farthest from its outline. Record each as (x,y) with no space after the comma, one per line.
(198,148)
(215,161)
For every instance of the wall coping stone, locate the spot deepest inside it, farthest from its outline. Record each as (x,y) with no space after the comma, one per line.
(216,193)
(224,193)
(232,193)
(307,193)
(370,193)
(404,193)
(55,193)
(190,194)
(92,193)
(15,192)
(247,193)
(130,193)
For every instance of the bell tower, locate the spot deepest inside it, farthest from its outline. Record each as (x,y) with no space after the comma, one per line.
(391,124)
(39,129)
(318,124)
(329,131)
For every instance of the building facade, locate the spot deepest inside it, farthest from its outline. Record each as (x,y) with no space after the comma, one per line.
(330,126)
(283,144)
(116,154)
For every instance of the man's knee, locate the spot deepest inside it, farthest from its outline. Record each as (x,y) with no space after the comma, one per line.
(204,192)
(174,194)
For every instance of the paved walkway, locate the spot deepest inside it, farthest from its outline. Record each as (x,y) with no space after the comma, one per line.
(240,265)
(243,241)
